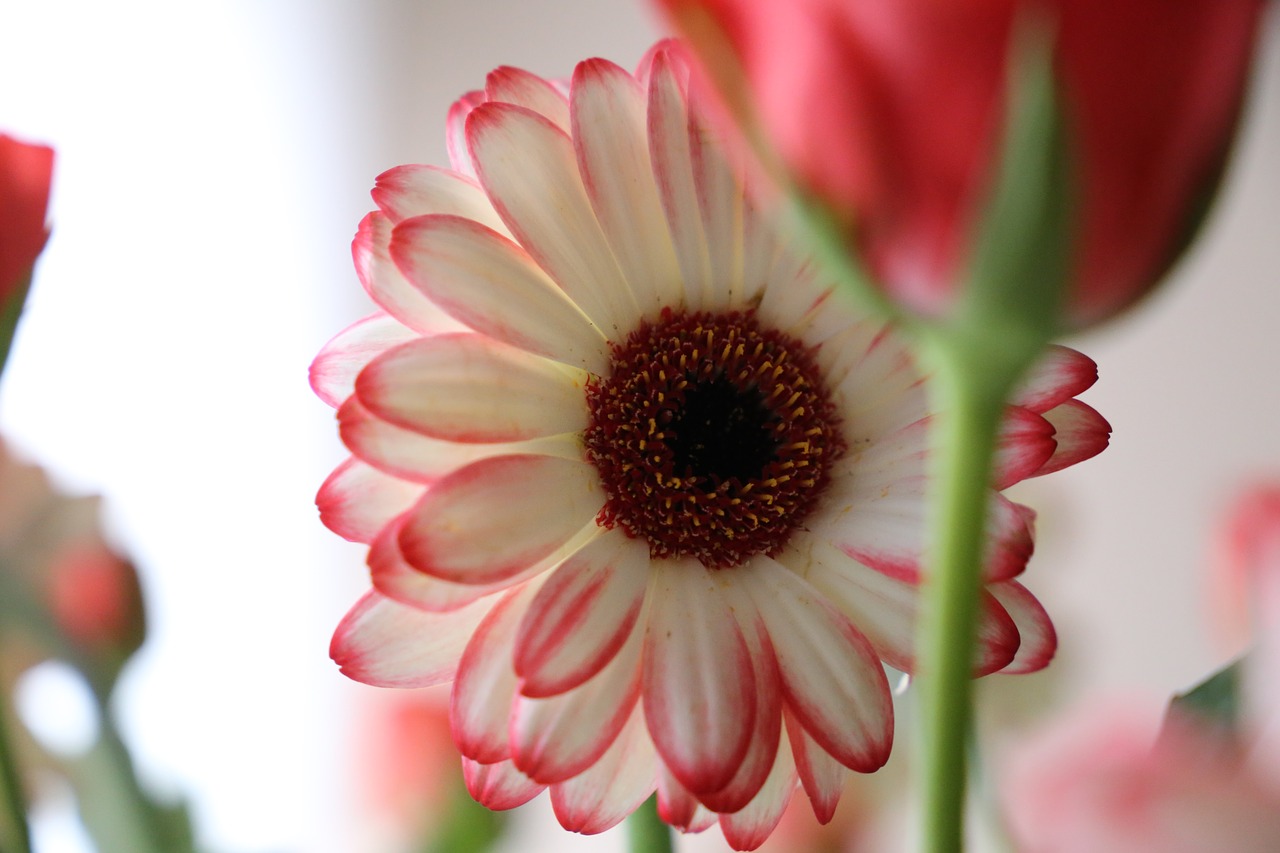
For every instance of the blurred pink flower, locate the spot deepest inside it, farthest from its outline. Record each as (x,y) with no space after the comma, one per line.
(55,558)
(634,477)
(26,172)
(1103,783)
(890,113)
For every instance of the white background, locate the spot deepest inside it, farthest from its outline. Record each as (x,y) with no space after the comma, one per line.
(213,161)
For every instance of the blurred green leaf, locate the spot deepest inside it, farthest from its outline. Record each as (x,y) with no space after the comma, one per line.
(1214,702)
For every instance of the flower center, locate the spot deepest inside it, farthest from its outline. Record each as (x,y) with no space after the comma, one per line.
(713,437)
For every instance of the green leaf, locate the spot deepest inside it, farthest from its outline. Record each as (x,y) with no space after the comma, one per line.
(1214,702)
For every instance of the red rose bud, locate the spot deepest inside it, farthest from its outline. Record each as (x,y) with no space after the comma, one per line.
(891,114)
(25,175)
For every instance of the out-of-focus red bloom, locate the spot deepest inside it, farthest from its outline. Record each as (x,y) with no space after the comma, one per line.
(25,175)
(55,560)
(890,113)
(1246,578)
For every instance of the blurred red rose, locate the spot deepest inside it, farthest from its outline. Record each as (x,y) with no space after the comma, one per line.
(890,113)
(25,175)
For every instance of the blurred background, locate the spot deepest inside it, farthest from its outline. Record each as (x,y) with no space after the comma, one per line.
(213,161)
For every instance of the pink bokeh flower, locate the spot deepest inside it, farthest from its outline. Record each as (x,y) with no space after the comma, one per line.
(634,477)
(26,172)
(1102,782)
(890,114)
(55,559)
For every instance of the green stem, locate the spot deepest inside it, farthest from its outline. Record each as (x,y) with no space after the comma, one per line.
(646,833)
(971,402)
(15,833)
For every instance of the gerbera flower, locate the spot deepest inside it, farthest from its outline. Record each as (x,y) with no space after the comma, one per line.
(634,476)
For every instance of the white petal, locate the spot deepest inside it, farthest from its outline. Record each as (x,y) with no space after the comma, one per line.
(612,788)
(699,686)
(832,678)
(371,251)
(559,737)
(412,456)
(408,191)
(510,85)
(668,128)
(387,644)
(498,786)
(333,373)
(608,114)
(484,690)
(358,500)
(456,135)
(487,522)
(470,388)
(821,775)
(583,614)
(396,579)
(719,191)
(493,286)
(527,166)
(749,827)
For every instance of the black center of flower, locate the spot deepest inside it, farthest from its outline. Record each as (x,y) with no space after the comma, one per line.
(713,437)
(722,432)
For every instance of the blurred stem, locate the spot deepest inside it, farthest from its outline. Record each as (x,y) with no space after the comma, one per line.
(646,833)
(971,400)
(465,825)
(15,834)
(138,825)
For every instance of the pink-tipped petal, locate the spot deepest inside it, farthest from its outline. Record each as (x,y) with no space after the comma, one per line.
(749,827)
(831,677)
(699,685)
(679,808)
(527,166)
(493,286)
(1039,639)
(386,644)
(582,616)
(508,85)
(400,452)
(470,388)
(1060,374)
(489,521)
(1081,433)
(886,610)
(387,286)
(333,373)
(720,201)
(668,129)
(498,786)
(821,775)
(357,500)
(408,191)
(456,135)
(600,797)
(1025,443)
(762,752)
(557,738)
(485,687)
(412,456)
(396,579)
(608,116)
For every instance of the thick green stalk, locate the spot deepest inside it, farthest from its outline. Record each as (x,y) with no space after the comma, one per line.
(971,402)
(646,833)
